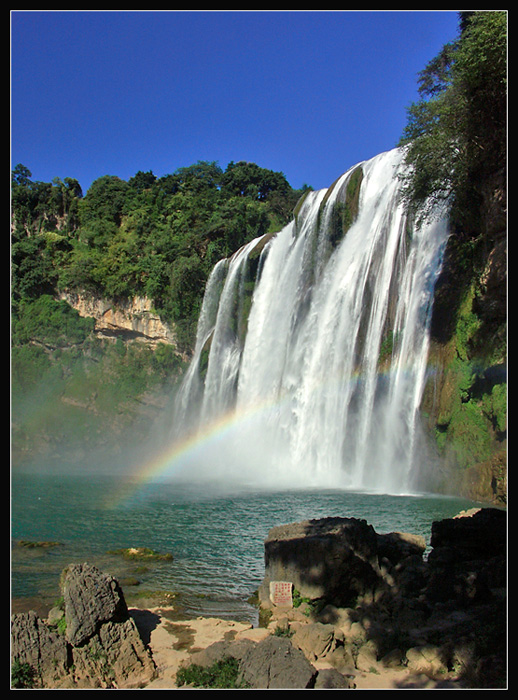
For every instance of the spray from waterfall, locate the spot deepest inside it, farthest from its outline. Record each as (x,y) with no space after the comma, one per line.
(312,346)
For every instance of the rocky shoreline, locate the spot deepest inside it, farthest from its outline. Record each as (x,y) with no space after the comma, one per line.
(341,606)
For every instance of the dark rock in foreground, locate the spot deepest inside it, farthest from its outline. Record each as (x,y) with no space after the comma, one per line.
(444,616)
(276,663)
(332,558)
(273,663)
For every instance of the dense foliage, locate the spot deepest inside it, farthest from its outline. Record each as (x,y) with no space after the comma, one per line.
(456,132)
(149,236)
(456,147)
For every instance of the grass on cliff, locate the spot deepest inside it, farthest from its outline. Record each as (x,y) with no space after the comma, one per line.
(471,423)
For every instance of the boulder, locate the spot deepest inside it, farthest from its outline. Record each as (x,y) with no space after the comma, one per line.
(325,644)
(427,659)
(468,557)
(37,646)
(331,679)
(477,534)
(410,575)
(273,662)
(317,639)
(276,663)
(218,651)
(91,598)
(115,657)
(367,657)
(396,546)
(331,558)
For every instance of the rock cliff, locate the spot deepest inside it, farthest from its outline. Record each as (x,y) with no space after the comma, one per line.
(132,319)
(465,401)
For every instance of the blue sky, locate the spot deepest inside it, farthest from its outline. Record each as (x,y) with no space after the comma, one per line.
(306,93)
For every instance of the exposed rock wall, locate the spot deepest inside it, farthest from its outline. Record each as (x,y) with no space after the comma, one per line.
(464,403)
(132,319)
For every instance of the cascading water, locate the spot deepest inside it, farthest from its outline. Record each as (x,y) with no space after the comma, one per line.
(312,344)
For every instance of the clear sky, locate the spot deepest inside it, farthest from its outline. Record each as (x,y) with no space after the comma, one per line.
(306,93)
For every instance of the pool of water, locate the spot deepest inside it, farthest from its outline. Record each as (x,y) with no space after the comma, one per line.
(216,536)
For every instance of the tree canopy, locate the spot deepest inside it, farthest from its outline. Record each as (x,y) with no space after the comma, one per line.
(456,132)
(151,236)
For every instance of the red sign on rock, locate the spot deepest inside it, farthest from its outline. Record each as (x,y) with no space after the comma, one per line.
(281,593)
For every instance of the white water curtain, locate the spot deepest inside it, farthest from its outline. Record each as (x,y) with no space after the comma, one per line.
(324,389)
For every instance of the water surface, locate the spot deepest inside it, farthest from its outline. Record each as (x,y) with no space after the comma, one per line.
(216,537)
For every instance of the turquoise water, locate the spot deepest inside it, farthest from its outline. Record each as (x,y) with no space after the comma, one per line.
(216,538)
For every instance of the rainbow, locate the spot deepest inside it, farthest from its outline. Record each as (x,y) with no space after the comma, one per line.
(172,460)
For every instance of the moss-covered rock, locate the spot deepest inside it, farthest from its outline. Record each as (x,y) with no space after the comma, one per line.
(466,397)
(142,553)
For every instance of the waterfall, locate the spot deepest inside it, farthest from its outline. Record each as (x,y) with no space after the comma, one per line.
(312,344)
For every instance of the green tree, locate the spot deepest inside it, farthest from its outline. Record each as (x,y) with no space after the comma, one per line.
(32,268)
(480,69)
(21,176)
(249,180)
(202,177)
(455,134)
(142,181)
(105,201)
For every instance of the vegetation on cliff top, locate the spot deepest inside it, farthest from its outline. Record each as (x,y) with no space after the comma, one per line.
(154,237)
(456,132)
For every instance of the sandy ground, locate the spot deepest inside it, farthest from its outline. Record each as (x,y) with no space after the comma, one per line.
(172,642)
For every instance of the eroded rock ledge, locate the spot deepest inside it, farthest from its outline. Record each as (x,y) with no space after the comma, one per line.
(374,601)
(133,319)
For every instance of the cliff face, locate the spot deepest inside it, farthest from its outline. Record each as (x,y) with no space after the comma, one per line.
(133,319)
(465,402)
